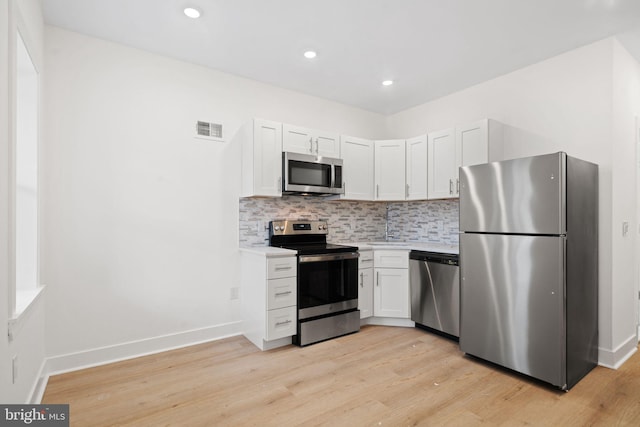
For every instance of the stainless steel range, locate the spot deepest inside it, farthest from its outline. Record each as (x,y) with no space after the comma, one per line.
(327,280)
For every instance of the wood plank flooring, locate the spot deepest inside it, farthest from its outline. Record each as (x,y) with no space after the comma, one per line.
(381,376)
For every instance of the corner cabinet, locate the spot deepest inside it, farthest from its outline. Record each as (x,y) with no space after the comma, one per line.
(390,170)
(314,142)
(442,165)
(358,174)
(391,284)
(261,168)
(269,297)
(416,167)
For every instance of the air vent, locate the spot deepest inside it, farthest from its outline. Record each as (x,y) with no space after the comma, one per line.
(207,130)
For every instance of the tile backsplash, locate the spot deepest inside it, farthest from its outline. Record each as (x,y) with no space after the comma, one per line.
(434,221)
(349,221)
(429,221)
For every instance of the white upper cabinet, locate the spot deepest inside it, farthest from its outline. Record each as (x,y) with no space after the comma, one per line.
(357,168)
(314,142)
(473,143)
(479,142)
(416,164)
(390,170)
(442,165)
(261,142)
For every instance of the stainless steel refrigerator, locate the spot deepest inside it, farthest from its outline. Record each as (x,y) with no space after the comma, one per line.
(529,266)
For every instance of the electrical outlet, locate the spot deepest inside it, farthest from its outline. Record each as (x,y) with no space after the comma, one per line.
(14,368)
(235,293)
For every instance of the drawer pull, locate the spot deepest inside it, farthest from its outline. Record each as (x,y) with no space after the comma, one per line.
(279,294)
(287,267)
(286,322)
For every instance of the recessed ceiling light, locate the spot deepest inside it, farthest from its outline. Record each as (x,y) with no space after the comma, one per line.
(387,83)
(310,54)
(192,13)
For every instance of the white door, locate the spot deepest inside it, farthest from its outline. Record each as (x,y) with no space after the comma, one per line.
(442,165)
(417,168)
(391,293)
(267,146)
(390,169)
(327,144)
(357,168)
(297,139)
(365,292)
(472,143)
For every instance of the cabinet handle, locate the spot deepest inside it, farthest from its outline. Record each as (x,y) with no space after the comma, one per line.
(279,183)
(287,267)
(362,280)
(450,186)
(377,278)
(317,146)
(406,191)
(377,190)
(458,186)
(286,322)
(279,294)
(311,144)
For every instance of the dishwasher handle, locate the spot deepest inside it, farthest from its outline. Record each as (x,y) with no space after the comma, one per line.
(437,257)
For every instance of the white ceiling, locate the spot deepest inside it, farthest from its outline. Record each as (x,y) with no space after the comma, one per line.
(430,48)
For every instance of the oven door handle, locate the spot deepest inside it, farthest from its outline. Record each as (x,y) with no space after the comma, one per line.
(328,257)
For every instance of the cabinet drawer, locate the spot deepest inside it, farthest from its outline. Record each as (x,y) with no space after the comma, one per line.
(391,259)
(365,260)
(281,293)
(281,267)
(281,323)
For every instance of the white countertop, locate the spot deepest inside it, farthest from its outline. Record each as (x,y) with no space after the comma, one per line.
(268,251)
(271,251)
(407,246)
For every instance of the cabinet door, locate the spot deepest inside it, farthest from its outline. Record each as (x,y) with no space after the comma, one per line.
(472,143)
(297,139)
(326,144)
(357,168)
(267,152)
(390,169)
(417,168)
(442,165)
(391,293)
(365,292)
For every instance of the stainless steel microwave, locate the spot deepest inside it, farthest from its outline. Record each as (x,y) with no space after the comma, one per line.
(311,175)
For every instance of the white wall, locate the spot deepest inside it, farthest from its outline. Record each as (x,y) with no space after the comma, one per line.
(574,102)
(28,342)
(141,218)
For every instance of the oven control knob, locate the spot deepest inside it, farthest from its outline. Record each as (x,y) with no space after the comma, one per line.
(277,228)
(324,227)
(319,227)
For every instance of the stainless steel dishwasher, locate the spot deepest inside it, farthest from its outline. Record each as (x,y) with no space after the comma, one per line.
(435,291)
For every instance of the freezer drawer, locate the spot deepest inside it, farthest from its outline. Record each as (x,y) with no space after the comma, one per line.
(512,302)
(521,196)
(435,292)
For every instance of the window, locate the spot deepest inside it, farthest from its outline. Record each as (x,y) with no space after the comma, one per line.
(26,179)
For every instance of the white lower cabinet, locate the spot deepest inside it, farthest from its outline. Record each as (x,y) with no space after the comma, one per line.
(391,293)
(365,284)
(269,297)
(391,284)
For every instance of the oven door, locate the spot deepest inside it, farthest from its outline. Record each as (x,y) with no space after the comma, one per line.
(327,284)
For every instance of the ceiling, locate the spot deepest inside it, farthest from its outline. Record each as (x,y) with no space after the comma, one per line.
(429,48)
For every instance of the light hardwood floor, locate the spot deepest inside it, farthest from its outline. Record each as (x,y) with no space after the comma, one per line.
(381,376)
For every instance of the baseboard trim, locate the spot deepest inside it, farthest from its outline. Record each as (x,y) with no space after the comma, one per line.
(387,321)
(37,391)
(615,358)
(116,353)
